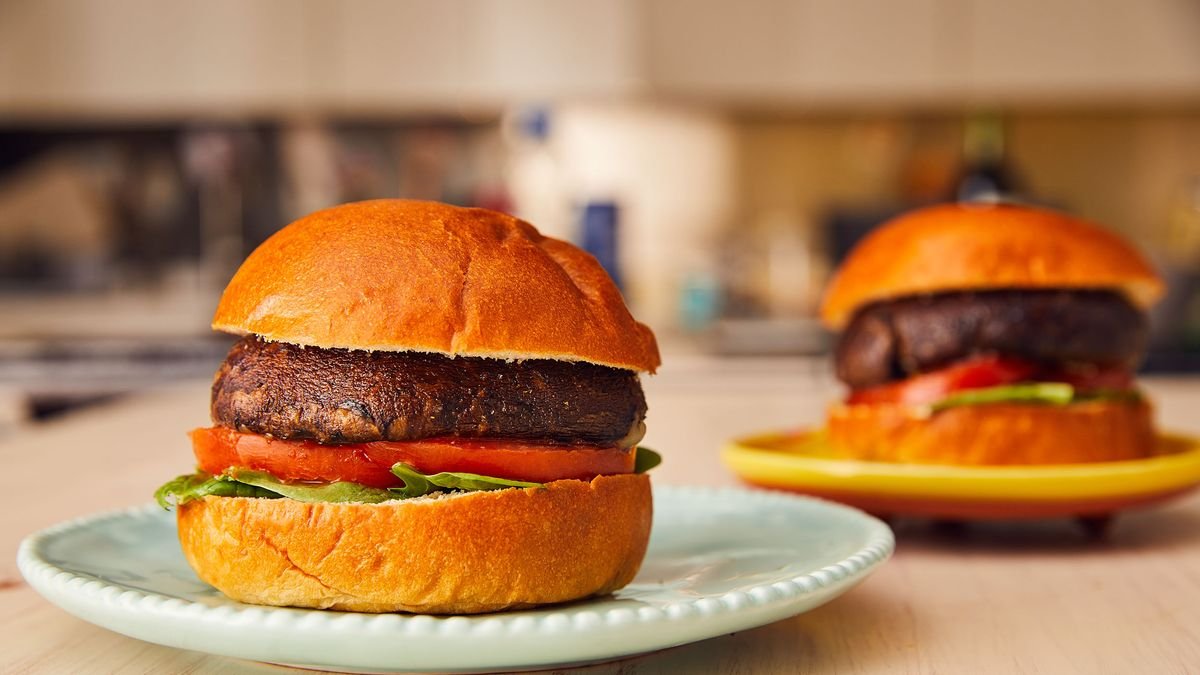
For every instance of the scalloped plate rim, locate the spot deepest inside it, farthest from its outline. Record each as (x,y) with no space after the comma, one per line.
(147,615)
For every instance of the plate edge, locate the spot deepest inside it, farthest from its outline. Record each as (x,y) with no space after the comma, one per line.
(878,545)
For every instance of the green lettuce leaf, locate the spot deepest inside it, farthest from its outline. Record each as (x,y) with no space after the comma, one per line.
(645,460)
(1036,392)
(1048,393)
(183,489)
(417,484)
(245,483)
(340,491)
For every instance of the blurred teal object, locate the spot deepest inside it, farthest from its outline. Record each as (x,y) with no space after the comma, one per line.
(699,301)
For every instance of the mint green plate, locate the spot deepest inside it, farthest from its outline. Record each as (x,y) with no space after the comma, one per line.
(720,560)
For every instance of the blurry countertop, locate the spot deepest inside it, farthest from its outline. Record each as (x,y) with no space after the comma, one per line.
(162,313)
(79,345)
(992,598)
(64,347)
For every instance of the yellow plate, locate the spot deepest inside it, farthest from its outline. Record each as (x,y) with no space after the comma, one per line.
(803,462)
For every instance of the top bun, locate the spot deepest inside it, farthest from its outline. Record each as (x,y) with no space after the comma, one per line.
(957,247)
(400,275)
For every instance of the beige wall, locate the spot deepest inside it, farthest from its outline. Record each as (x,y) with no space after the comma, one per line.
(1125,169)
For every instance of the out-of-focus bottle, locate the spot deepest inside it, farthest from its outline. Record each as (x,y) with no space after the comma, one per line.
(1183,260)
(599,234)
(986,176)
(1183,225)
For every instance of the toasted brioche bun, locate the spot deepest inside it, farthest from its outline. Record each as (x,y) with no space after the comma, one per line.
(994,434)
(399,275)
(955,247)
(456,554)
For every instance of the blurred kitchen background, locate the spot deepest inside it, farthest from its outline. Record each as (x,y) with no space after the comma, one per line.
(719,156)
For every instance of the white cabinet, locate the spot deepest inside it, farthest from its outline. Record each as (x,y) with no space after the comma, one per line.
(556,48)
(472,53)
(381,53)
(272,56)
(916,51)
(795,50)
(239,56)
(717,48)
(1111,49)
(870,49)
(128,55)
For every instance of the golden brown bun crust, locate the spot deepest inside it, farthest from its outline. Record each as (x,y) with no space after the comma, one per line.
(994,434)
(964,247)
(400,275)
(463,554)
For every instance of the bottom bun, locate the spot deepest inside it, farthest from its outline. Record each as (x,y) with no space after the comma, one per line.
(459,553)
(994,434)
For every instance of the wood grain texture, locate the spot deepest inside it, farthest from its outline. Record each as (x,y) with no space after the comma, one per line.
(998,598)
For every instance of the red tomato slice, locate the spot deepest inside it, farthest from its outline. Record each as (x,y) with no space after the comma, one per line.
(1088,377)
(219,448)
(975,373)
(990,371)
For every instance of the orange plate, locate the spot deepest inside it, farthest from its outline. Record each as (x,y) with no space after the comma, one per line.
(803,462)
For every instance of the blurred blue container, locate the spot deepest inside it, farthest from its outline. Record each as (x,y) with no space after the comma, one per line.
(600,236)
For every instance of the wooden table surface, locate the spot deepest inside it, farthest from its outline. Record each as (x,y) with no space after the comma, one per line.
(997,598)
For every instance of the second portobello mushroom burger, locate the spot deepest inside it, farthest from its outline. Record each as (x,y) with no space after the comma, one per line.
(432,409)
(991,335)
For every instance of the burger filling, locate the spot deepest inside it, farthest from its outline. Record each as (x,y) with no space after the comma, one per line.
(340,425)
(351,396)
(969,348)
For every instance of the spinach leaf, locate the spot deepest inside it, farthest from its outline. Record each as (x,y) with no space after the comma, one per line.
(340,491)
(1055,393)
(417,483)
(1047,393)
(645,460)
(184,489)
